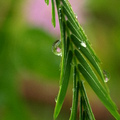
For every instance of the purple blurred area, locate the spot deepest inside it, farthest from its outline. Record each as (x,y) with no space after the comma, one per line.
(38,14)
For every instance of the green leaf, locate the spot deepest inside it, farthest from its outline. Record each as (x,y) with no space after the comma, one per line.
(63,37)
(73,30)
(75,97)
(86,57)
(81,109)
(64,85)
(53,13)
(86,53)
(96,86)
(88,68)
(47,2)
(87,104)
(74,22)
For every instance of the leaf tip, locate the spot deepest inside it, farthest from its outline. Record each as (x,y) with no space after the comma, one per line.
(47,2)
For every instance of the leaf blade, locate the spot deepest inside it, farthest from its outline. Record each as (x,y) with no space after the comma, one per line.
(72,18)
(90,58)
(75,97)
(64,85)
(53,13)
(89,110)
(106,100)
(47,2)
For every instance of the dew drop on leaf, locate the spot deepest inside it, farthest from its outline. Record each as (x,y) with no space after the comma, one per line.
(56,48)
(76,15)
(56,99)
(83,44)
(106,76)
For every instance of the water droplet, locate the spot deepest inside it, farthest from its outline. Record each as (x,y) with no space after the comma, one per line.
(106,76)
(76,15)
(71,109)
(79,48)
(56,99)
(56,48)
(59,8)
(83,44)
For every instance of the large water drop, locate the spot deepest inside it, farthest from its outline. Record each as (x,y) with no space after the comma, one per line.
(56,48)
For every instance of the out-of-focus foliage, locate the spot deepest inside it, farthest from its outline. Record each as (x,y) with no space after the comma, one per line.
(22,49)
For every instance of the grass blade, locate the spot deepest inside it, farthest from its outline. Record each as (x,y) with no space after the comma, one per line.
(64,85)
(85,52)
(75,97)
(89,110)
(81,109)
(73,30)
(103,96)
(62,34)
(72,19)
(53,13)
(89,69)
(47,2)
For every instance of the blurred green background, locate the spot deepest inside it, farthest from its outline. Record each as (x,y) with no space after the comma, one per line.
(29,71)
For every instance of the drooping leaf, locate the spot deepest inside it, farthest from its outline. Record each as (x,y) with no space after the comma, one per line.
(64,85)
(75,97)
(72,19)
(73,30)
(81,109)
(84,50)
(87,60)
(87,104)
(103,96)
(47,2)
(63,37)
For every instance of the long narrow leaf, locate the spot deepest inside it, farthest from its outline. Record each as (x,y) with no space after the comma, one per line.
(85,52)
(47,2)
(73,30)
(89,69)
(62,34)
(106,100)
(81,109)
(75,97)
(89,110)
(64,85)
(53,13)
(72,18)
